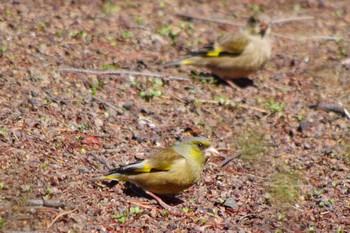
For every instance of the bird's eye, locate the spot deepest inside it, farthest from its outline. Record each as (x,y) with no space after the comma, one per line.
(253,20)
(200,145)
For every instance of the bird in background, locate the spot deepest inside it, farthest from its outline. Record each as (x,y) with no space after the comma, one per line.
(168,172)
(237,55)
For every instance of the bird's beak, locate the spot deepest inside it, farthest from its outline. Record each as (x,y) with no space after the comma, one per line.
(212,151)
(264,27)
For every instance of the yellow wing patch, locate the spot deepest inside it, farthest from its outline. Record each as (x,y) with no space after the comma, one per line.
(148,168)
(214,53)
(188,62)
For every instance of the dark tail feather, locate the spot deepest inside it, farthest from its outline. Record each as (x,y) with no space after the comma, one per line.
(173,63)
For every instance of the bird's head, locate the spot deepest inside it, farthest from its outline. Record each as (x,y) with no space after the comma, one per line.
(199,146)
(258,24)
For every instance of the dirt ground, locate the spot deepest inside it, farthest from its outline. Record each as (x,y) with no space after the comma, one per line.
(284,139)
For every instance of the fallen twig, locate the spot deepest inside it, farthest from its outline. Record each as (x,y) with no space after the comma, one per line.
(107,103)
(334,107)
(45,202)
(221,21)
(60,215)
(304,38)
(235,105)
(101,160)
(228,160)
(142,205)
(188,16)
(333,38)
(120,72)
(287,20)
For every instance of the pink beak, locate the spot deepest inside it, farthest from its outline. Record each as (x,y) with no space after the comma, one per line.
(211,151)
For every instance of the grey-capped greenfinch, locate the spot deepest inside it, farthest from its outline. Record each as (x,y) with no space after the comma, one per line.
(169,171)
(236,55)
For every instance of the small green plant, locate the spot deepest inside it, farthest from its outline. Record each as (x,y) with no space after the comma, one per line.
(224,100)
(2,185)
(335,183)
(185,209)
(121,217)
(83,126)
(109,8)
(297,7)
(42,25)
(48,192)
(3,48)
(318,192)
(135,210)
(284,188)
(275,107)
(151,93)
(201,122)
(192,200)
(44,165)
(200,221)
(255,7)
(139,20)
(93,89)
(111,40)
(1,223)
(342,53)
(251,145)
(112,66)
(167,31)
(3,132)
(187,27)
(165,213)
(312,229)
(281,217)
(75,34)
(127,35)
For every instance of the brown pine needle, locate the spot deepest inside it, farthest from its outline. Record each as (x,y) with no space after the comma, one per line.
(140,204)
(305,38)
(237,105)
(219,21)
(287,20)
(60,215)
(121,72)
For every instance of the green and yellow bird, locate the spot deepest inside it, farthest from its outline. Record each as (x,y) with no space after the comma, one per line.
(169,171)
(236,55)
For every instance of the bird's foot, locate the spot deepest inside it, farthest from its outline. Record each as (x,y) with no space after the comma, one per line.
(159,200)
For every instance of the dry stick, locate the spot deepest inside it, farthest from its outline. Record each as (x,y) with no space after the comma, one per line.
(302,38)
(102,161)
(286,20)
(228,160)
(276,21)
(60,215)
(208,19)
(139,204)
(120,72)
(45,202)
(220,21)
(238,105)
(106,103)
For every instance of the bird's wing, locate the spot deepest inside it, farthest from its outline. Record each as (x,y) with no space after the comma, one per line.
(231,45)
(162,161)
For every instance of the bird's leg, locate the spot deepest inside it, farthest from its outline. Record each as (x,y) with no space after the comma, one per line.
(232,84)
(160,201)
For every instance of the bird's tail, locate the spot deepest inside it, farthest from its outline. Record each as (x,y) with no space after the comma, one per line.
(186,61)
(111,176)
